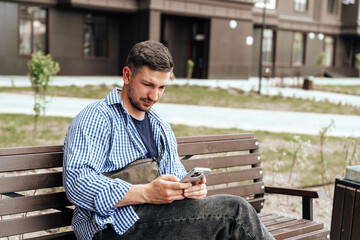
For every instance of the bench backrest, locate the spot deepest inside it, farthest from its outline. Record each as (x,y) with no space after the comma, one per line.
(33,199)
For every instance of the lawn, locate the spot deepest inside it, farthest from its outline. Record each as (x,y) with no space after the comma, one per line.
(195,95)
(346,89)
(278,150)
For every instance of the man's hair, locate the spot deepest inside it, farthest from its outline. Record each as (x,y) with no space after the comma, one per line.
(152,54)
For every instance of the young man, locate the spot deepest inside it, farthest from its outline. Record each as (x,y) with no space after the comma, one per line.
(123,127)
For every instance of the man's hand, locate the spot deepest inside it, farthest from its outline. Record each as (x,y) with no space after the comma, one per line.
(197,191)
(165,189)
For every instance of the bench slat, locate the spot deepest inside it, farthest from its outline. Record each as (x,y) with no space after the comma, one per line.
(356,221)
(193,139)
(242,190)
(35,223)
(274,219)
(257,203)
(57,236)
(30,150)
(315,235)
(295,230)
(338,212)
(30,182)
(234,176)
(217,146)
(33,203)
(30,161)
(288,224)
(278,220)
(222,162)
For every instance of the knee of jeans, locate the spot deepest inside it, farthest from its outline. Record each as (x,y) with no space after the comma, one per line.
(236,200)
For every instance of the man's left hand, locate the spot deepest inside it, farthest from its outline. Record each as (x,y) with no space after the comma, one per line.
(197,191)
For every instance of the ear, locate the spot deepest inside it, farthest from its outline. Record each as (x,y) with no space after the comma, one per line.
(126,75)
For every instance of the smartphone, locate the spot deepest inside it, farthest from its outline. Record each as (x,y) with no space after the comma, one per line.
(195,175)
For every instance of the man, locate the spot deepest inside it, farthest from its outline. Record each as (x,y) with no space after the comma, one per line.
(123,127)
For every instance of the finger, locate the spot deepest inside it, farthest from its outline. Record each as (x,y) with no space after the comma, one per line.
(169,177)
(196,195)
(203,181)
(179,185)
(171,196)
(195,188)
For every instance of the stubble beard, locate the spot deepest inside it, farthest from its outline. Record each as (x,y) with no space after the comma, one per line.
(137,103)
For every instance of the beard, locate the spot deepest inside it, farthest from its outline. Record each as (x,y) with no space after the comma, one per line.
(136,102)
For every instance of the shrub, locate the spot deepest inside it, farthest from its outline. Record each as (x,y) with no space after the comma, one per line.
(40,70)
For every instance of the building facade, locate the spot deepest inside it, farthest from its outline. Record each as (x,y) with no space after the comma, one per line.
(222,37)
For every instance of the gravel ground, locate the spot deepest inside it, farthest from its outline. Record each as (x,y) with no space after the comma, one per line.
(291,206)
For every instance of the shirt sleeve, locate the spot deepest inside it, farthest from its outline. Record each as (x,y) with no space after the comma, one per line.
(86,149)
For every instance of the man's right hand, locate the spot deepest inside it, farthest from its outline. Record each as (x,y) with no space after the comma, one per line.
(164,189)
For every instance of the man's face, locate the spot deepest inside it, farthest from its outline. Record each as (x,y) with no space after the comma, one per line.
(145,88)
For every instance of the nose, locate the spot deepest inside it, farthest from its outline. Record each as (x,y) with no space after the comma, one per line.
(154,94)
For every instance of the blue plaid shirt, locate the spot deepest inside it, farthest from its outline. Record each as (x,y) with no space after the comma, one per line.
(103,138)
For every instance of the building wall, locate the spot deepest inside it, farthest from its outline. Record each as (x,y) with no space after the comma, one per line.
(229,56)
(10,62)
(132,21)
(66,39)
(65,31)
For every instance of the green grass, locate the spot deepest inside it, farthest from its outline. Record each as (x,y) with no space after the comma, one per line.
(16,130)
(96,92)
(195,95)
(348,89)
(238,99)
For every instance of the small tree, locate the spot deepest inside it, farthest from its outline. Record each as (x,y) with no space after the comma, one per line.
(321,62)
(40,70)
(357,63)
(190,67)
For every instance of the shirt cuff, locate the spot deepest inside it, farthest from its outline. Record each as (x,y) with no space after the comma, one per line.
(110,196)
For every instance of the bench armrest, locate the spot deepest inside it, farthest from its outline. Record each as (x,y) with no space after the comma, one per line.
(295,192)
(307,197)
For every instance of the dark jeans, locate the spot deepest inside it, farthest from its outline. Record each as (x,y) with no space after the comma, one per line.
(215,217)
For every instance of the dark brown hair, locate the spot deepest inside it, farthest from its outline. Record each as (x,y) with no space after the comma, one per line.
(152,54)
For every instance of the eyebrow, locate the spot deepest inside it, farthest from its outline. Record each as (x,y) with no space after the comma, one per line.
(151,83)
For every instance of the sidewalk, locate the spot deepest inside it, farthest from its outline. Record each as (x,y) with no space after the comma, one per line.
(251,84)
(247,119)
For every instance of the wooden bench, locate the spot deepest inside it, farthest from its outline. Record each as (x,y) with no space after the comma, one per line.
(33,201)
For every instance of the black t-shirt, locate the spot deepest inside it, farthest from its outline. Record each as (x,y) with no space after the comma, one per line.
(144,129)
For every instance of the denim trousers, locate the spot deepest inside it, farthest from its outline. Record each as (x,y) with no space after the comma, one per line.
(215,217)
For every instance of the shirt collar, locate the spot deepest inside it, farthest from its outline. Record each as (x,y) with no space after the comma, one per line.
(114,98)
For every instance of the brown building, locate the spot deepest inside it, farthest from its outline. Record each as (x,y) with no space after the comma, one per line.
(222,37)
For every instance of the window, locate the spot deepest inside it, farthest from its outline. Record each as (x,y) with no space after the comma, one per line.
(95,36)
(332,6)
(269,4)
(349,50)
(329,47)
(268,46)
(301,5)
(32,30)
(298,47)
